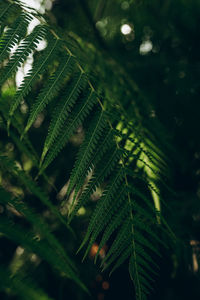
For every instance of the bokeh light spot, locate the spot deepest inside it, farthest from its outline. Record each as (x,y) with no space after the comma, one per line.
(146,47)
(126,29)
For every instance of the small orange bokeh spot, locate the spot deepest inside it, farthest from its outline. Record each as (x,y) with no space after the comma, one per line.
(94,250)
(105,285)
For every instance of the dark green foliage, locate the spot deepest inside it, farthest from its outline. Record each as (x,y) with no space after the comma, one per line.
(22,287)
(118,155)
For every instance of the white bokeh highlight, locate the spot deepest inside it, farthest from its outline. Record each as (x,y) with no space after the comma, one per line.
(145,47)
(126,29)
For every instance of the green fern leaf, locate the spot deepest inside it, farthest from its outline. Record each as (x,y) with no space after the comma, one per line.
(14,35)
(124,209)
(38,69)
(107,165)
(115,222)
(105,143)
(76,117)
(87,148)
(104,210)
(63,110)
(119,244)
(19,56)
(51,89)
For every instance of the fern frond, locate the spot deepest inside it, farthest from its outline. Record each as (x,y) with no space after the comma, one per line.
(51,89)
(121,259)
(106,212)
(20,55)
(74,120)
(63,110)
(119,244)
(87,148)
(13,35)
(113,152)
(39,67)
(115,222)
(105,143)
(104,168)
(113,211)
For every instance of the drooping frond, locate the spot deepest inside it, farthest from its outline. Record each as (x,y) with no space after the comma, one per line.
(34,73)
(75,118)
(13,35)
(63,110)
(87,148)
(104,169)
(114,156)
(51,88)
(20,55)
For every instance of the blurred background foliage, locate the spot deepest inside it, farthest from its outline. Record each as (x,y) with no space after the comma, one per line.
(145,56)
